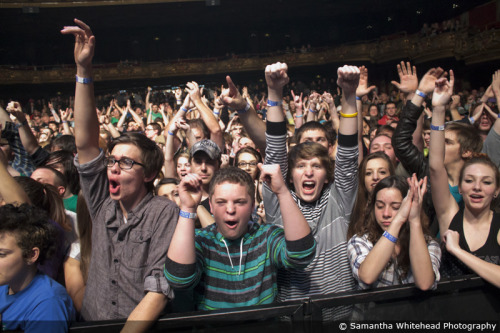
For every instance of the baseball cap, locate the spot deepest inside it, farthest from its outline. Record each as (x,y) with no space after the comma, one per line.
(208,147)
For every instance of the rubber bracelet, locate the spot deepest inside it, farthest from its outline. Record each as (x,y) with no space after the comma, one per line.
(187,215)
(311,110)
(350,115)
(64,121)
(420,93)
(170,133)
(471,120)
(390,237)
(184,109)
(273,103)
(358,98)
(437,128)
(299,116)
(247,107)
(216,113)
(84,80)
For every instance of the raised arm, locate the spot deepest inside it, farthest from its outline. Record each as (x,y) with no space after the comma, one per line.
(421,259)
(348,80)
(182,249)
(376,260)
(254,126)
(28,139)
(488,271)
(86,122)
(299,117)
(206,114)
(444,203)
(362,90)
(294,223)
(10,191)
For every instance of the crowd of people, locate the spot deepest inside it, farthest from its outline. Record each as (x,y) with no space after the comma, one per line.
(205,198)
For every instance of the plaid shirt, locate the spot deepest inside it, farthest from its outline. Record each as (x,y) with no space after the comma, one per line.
(22,161)
(359,247)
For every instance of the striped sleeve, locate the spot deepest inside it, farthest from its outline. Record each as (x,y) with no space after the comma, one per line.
(290,254)
(346,170)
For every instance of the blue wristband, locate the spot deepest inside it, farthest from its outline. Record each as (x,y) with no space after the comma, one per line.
(273,103)
(311,110)
(437,128)
(170,133)
(187,215)
(421,94)
(299,116)
(84,80)
(358,98)
(390,237)
(471,120)
(184,109)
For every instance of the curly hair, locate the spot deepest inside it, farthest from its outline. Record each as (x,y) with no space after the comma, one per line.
(31,228)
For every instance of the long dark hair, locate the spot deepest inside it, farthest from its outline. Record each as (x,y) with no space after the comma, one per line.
(357,225)
(374,230)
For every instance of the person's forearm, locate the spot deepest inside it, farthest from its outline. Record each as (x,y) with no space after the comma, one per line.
(420,260)
(205,217)
(114,132)
(28,139)
(86,122)
(376,261)
(11,191)
(488,271)
(137,119)
(211,122)
(348,126)
(255,127)
(182,246)
(294,223)
(275,113)
(145,313)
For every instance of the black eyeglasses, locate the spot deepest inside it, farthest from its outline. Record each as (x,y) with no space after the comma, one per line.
(247,164)
(124,164)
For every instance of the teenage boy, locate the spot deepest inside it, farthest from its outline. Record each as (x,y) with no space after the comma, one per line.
(234,262)
(131,228)
(325,204)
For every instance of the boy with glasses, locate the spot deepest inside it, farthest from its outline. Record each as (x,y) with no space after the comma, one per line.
(131,228)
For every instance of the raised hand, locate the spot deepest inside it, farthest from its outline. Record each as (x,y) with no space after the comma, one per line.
(190,191)
(64,114)
(271,175)
(451,239)
(348,79)
(231,96)
(194,91)
(428,82)
(495,83)
(408,80)
(363,88)
(419,189)
(297,100)
(455,101)
(84,42)
(443,90)
(276,76)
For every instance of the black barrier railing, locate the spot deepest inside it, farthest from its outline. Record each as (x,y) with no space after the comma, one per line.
(466,298)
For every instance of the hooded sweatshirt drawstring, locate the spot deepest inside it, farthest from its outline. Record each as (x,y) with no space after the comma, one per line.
(229,255)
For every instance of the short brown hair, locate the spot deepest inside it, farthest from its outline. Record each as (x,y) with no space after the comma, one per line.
(307,151)
(467,136)
(232,175)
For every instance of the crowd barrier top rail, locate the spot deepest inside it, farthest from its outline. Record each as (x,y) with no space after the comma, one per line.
(461,298)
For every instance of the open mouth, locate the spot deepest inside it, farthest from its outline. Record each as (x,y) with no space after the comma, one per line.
(231,224)
(476,197)
(114,186)
(308,187)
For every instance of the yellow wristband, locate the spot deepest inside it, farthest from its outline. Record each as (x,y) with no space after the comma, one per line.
(351,115)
